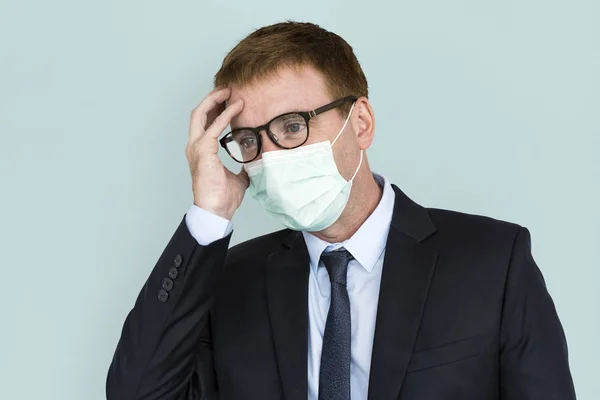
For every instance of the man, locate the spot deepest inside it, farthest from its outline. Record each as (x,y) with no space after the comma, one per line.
(365,295)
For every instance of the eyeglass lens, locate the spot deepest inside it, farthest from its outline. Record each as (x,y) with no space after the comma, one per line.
(288,131)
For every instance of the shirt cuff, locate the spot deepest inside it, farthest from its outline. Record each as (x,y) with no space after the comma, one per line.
(205,226)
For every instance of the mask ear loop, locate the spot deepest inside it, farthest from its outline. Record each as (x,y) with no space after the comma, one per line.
(338,135)
(357,169)
(345,123)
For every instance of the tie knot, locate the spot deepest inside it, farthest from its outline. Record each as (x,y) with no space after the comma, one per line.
(336,262)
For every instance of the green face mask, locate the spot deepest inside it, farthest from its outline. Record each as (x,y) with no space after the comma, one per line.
(301,188)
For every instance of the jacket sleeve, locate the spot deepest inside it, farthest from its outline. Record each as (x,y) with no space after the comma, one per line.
(165,347)
(533,356)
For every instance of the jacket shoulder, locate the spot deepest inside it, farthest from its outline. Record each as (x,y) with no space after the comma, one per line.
(454,226)
(444,216)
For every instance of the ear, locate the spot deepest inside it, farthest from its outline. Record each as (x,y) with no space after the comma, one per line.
(363,122)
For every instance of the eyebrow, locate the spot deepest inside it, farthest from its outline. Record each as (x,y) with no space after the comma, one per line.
(270,120)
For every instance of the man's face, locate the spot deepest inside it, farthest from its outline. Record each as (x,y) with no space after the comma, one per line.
(297,89)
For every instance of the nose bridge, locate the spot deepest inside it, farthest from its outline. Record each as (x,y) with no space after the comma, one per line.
(266,141)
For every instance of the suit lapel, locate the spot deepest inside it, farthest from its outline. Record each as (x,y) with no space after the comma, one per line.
(287,298)
(407,270)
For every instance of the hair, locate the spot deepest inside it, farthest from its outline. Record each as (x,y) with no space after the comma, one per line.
(295,44)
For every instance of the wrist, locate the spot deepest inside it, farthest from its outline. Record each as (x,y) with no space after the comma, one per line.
(222,212)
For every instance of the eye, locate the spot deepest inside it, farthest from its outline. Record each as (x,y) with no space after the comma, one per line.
(288,126)
(294,128)
(245,140)
(248,142)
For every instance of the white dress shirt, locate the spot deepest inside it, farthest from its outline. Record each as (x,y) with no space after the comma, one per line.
(367,246)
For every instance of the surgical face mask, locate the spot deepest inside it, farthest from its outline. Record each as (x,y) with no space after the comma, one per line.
(301,188)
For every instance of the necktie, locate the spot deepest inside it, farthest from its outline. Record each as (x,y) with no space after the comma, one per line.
(334,375)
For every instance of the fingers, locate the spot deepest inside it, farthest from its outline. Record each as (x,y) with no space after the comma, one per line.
(221,122)
(213,114)
(198,119)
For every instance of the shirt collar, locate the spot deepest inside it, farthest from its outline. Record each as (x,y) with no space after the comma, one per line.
(368,242)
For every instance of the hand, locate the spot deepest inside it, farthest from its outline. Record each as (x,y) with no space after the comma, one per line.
(215,188)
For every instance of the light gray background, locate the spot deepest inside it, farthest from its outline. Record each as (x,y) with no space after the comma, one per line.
(483,107)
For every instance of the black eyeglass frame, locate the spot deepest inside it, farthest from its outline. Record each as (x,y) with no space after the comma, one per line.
(307,115)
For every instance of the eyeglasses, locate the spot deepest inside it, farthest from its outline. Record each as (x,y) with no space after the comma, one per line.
(287,131)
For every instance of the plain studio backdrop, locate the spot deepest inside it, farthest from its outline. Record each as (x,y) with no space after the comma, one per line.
(482,107)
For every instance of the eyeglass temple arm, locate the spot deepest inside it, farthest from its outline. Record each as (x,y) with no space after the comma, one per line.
(329,106)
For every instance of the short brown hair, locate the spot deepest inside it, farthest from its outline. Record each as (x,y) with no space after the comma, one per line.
(295,44)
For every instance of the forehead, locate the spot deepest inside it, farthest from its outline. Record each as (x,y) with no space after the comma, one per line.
(288,89)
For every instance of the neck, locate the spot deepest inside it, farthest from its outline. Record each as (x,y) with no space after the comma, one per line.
(364,198)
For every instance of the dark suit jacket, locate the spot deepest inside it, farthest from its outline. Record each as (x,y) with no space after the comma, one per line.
(463,314)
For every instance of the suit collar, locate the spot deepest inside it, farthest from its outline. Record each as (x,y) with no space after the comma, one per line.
(410,218)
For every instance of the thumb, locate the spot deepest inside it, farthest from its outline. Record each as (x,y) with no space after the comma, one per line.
(240,180)
(244,178)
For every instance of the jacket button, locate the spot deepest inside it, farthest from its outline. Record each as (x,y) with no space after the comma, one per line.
(177,261)
(163,296)
(167,284)
(173,273)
